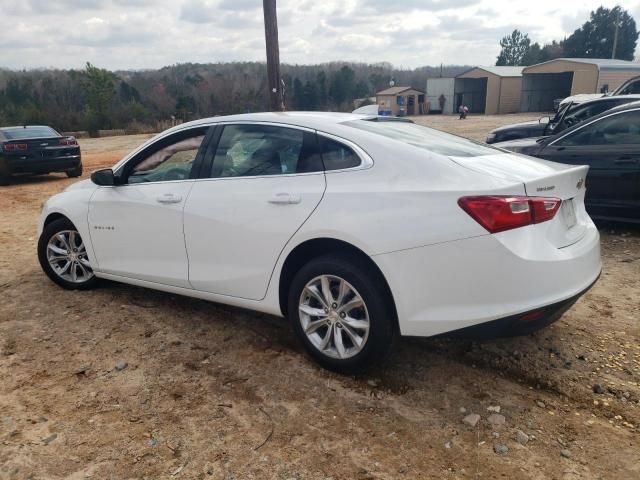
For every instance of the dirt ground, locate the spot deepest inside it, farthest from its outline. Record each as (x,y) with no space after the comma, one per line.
(124,383)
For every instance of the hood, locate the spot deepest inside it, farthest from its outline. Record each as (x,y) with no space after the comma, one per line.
(82,184)
(522,125)
(581,98)
(527,146)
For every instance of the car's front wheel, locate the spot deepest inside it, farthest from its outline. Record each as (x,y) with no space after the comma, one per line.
(342,313)
(63,256)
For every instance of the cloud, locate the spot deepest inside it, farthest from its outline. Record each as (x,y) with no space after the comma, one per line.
(410,5)
(240,5)
(136,34)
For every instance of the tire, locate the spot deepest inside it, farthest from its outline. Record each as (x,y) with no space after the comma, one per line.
(360,280)
(5,180)
(76,172)
(78,275)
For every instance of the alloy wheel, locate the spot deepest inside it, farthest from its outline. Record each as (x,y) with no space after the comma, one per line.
(334,316)
(67,257)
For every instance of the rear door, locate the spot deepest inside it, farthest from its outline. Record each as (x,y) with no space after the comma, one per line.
(611,147)
(264,181)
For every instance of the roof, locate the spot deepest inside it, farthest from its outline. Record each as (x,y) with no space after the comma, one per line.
(583,99)
(328,122)
(397,90)
(601,63)
(620,108)
(498,71)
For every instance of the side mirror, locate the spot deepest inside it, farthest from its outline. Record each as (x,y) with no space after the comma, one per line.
(104,177)
(546,119)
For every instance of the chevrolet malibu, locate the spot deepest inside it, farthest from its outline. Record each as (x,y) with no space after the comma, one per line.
(358,229)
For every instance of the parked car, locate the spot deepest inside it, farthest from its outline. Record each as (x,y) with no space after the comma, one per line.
(610,144)
(630,87)
(569,115)
(37,150)
(356,228)
(559,103)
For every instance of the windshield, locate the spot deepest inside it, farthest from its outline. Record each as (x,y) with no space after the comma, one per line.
(425,138)
(561,112)
(18,133)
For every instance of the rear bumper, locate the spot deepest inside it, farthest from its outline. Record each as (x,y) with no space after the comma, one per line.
(520,324)
(44,165)
(450,286)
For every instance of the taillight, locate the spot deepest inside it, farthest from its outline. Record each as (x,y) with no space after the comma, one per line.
(499,213)
(68,141)
(12,147)
(544,209)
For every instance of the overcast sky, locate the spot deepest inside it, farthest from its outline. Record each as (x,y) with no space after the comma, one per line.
(138,34)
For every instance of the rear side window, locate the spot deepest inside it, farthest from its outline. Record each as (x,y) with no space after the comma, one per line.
(337,156)
(29,132)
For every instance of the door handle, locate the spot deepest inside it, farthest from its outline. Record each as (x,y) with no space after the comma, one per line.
(169,198)
(284,198)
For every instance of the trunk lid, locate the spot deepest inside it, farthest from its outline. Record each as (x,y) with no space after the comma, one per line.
(542,178)
(46,147)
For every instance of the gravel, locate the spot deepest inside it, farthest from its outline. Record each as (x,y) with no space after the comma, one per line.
(472,419)
(496,419)
(521,437)
(500,449)
(121,366)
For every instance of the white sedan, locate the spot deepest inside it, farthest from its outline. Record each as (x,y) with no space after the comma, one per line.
(358,229)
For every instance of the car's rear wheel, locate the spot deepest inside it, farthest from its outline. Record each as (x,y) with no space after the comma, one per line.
(63,256)
(5,180)
(342,313)
(76,172)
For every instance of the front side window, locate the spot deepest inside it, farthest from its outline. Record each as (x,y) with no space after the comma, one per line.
(620,129)
(584,112)
(631,89)
(170,160)
(258,150)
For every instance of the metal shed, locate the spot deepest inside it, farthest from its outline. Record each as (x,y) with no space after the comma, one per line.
(489,90)
(438,88)
(562,77)
(400,101)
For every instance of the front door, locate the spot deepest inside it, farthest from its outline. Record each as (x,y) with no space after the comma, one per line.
(264,182)
(611,148)
(136,227)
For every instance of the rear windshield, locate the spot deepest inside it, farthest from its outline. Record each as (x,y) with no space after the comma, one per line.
(28,132)
(425,138)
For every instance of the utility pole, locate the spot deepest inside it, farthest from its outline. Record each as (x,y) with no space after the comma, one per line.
(276,96)
(615,33)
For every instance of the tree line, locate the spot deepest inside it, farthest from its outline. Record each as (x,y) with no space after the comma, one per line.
(94,98)
(609,33)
